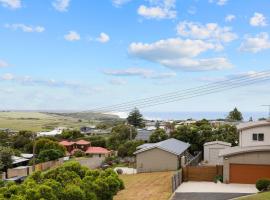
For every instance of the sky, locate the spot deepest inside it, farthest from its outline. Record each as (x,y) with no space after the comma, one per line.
(81,54)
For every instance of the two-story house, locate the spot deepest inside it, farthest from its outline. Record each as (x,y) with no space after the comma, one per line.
(250,160)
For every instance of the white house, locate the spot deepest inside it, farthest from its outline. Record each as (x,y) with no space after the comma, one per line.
(211,152)
(249,161)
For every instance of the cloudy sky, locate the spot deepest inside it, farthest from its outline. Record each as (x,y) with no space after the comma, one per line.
(81,54)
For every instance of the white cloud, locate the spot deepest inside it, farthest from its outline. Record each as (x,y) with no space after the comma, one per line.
(3,63)
(258,19)
(7,77)
(177,53)
(158,9)
(191,64)
(61,5)
(13,4)
(208,31)
(229,18)
(25,28)
(255,44)
(72,36)
(219,2)
(117,81)
(141,72)
(119,3)
(103,38)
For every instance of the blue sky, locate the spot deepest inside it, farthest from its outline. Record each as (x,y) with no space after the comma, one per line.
(67,54)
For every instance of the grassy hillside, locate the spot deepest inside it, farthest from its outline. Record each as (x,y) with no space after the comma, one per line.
(37,121)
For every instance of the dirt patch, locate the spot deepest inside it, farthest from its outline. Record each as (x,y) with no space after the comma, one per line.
(150,186)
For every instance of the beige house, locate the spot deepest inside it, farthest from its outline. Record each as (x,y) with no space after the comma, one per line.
(249,161)
(211,152)
(161,156)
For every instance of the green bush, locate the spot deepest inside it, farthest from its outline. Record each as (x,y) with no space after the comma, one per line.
(263,184)
(79,153)
(70,181)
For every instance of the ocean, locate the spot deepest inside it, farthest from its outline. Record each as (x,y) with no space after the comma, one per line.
(199,115)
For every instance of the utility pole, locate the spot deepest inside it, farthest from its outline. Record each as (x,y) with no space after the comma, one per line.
(268,110)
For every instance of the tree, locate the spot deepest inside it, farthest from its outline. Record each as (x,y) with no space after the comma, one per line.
(6,154)
(47,150)
(135,118)
(235,115)
(70,181)
(128,148)
(119,135)
(158,135)
(23,140)
(97,141)
(71,134)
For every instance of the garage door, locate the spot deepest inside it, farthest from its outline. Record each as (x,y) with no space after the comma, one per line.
(242,173)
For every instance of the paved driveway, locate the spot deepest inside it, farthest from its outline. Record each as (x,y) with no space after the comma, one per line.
(212,191)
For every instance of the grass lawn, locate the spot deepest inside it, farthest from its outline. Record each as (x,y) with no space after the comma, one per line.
(35,121)
(261,196)
(150,186)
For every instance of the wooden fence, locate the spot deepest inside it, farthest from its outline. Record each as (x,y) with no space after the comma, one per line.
(202,173)
(177,180)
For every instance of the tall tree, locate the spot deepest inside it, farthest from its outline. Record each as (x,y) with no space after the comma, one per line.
(158,135)
(135,118)
(235,115)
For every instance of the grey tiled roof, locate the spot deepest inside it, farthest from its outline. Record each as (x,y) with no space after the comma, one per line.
(143,134)
(171,145)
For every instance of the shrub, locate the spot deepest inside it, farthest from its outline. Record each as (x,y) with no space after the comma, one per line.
(218,178)
(119,171)
(263,184)
(79,153)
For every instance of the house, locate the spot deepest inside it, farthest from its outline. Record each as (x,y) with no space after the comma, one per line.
(98,152)
(250,160)
(211,152)
(57,131)
(143,134)
(87,130)
(82,145)
(85,146)
(162,156)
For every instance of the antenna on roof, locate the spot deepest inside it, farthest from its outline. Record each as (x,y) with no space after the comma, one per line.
(268,110)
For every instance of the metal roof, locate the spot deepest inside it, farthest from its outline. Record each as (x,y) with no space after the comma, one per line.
(171,145)
(143,134)
(238,150)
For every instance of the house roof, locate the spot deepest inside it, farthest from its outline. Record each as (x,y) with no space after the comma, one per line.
(82,142)
(171,145)
(239,150)
(97,150)
(66,143)
(17,160)
(248,125)
(218,142)
(143,134)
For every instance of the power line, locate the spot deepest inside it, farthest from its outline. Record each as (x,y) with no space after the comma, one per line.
(190,93)
(268,110)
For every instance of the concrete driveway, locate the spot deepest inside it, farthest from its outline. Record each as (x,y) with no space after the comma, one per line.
(212,191)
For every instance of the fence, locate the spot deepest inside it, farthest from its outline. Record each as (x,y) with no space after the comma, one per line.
(195,160)
(177,180)
(27,170)
(202,173)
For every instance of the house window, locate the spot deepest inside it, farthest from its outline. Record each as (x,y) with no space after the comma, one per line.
(258,137)
(255,137)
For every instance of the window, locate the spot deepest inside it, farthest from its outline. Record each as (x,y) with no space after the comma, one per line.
(255,137)
(258,137)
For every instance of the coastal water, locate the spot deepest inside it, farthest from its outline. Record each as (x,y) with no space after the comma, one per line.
(199,115)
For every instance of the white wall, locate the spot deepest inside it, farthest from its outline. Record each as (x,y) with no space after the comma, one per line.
(245,136)
(211,153)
